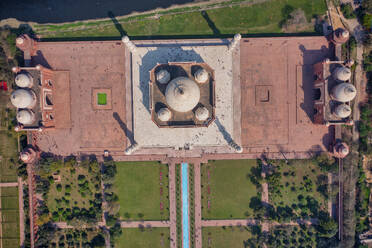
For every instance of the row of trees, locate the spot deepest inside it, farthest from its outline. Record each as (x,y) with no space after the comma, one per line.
(113,217)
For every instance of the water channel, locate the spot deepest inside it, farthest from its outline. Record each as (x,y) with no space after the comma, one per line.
(185,205)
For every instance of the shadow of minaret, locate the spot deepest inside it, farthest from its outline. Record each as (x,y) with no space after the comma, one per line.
(222,129)
(123,126)
(211,24)
(118,26)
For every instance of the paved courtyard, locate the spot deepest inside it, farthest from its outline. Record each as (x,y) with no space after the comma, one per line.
(93,66)
(271,113)
(276,85)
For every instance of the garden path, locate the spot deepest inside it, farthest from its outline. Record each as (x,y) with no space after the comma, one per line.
(172,206)
(135,224)
(198,220)
(237,222)
(21,213)
(15,184)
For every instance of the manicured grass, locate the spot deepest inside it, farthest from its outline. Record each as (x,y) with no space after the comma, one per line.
(144,238)
(139,188)
(230,189)
(9,212)
(8,163)
(246,18)
(9,191)
(218,237)
(14,242)
(9,202)
(10,215)
(293,180)
(102,98)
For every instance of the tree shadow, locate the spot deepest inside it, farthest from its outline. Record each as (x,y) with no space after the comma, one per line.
(211,24)
(123,126)
(118,26)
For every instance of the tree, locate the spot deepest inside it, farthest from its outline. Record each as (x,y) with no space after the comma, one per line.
(98,241)
(327,226)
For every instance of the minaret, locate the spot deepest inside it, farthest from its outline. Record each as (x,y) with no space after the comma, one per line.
(130,45)
(234,42)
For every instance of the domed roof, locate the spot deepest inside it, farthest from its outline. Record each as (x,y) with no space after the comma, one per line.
(343,110)
(182,94)
(25,117)
(342,73)
(344,92)
(202,113)
(344,34)
(344,150)
(164,114)
(201,75)
(23,80)
(22,98)
(163,76)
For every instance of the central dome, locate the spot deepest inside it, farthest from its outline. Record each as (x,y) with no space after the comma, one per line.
(182,94)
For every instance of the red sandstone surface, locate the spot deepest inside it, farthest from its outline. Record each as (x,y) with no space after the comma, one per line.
(276,98)
(91,65)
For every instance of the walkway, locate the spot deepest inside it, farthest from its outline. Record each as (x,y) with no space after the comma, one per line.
(15,184)
(197,200)
(265,193)
(31,204)
(240,222)
(135,224)
(21,213)
(172,205)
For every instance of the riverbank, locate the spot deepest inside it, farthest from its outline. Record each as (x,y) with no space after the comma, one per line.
(263,17)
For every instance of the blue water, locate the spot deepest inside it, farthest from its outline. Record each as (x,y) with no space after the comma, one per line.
(185,205)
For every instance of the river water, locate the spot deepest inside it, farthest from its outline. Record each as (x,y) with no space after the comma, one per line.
(58,11)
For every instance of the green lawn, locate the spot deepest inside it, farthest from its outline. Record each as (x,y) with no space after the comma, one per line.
(293,183)
(102,98)
(258,18)
(139,189)
(230,189)
(8,142)
(218,237)
(145,238)
(9,212)
(8,163)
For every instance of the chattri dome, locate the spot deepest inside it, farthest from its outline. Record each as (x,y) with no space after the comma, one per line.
(25,116)
(23,80)
(182,94)
(201,75)
(164,114)
(343,110)
(202,113)
(22,98)
(344,92)
(163,76)
(342,73)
